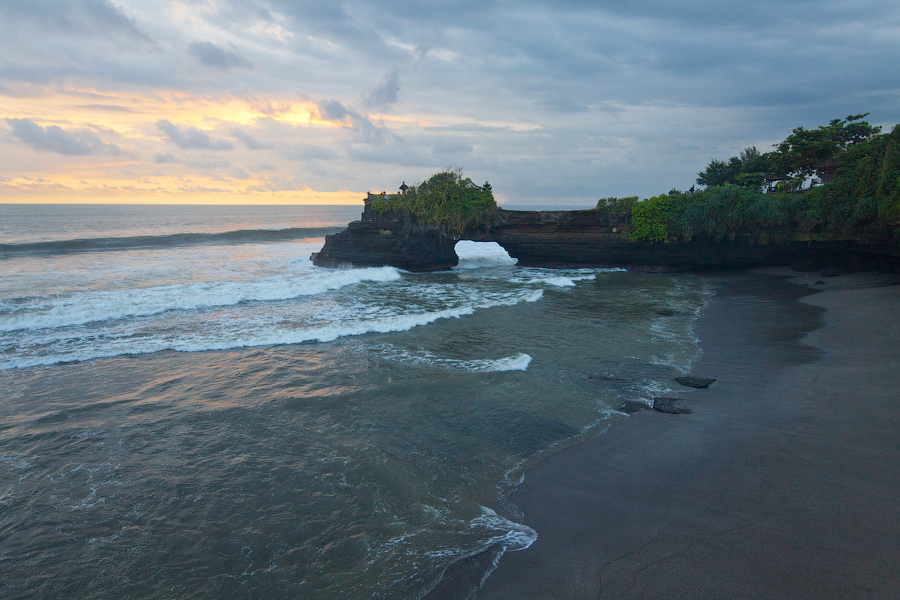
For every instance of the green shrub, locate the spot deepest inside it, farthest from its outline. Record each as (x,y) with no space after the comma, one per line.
(445,199)
(617,206)
(652,218)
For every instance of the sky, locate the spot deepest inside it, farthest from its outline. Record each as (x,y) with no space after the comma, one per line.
(317,102)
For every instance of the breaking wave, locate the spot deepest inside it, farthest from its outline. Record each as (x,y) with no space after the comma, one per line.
(104,244)
(95,306)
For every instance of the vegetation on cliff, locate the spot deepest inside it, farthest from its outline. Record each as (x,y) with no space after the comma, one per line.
(445,199)
(762,195)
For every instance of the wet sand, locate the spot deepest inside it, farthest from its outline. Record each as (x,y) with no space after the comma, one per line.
(784,482)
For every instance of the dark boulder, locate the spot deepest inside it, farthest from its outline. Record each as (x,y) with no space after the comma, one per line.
(695,382)
(667,405)
(632,406)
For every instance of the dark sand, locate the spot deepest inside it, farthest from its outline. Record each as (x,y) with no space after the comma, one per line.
(783,483)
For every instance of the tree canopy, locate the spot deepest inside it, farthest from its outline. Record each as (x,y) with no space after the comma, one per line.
(804,148)
(862,200)
(445,199)
(794,158)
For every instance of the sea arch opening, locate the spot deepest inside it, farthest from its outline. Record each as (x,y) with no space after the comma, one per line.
(474,255)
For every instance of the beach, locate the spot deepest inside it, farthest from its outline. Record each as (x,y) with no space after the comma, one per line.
(782,482)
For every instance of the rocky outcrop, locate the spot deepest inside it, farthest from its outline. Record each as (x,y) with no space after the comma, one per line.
(695,382)
(393,239)
(581,238)
(667,405)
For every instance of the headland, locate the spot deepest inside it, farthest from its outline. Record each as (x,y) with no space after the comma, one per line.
(583,238)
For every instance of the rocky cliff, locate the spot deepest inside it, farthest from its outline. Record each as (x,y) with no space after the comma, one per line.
(581,238)
(394,239)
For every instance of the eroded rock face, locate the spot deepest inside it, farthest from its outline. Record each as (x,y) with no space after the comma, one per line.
(393,239)
(574,239)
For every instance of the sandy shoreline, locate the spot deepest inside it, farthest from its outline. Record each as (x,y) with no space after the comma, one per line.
(783,483)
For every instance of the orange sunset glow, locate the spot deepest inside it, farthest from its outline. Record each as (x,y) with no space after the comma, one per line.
(131,163)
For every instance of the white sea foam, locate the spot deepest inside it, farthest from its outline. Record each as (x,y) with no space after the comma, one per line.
(269,337)
(513,536)
(562,278)
(90,307)
(477,255)
(563,281)
(518,362)
(227,333)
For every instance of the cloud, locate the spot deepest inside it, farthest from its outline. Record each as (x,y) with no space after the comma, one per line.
(191,137)
(304,151)
(208,162)
(369,131)
(80,18)
(613,98)
(164,159)
(249,140)
(335,111)
(450,146)
(278,184)
(225,59)
(385,93)
(106,107)
(54,138)
(240,173)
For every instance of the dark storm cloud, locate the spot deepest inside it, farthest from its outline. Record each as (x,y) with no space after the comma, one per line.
(54,138)
(191,137)
(211,55)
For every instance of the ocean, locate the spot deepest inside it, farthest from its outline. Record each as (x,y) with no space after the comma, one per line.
(189,408)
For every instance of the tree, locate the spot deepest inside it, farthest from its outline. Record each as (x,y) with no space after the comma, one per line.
(716,173)
(746,170)
(804,148)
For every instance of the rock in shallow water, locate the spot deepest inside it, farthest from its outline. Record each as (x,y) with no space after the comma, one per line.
(694,382)
(667,405)
(632,406)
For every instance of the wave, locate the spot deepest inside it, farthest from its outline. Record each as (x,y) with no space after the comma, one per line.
(516,362)
(92,307)
(277,335)
(325,333)
(106,244)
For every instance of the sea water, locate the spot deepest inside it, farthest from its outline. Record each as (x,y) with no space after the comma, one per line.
(190,408)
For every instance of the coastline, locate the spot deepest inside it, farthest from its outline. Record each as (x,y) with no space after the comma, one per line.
(782,483)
